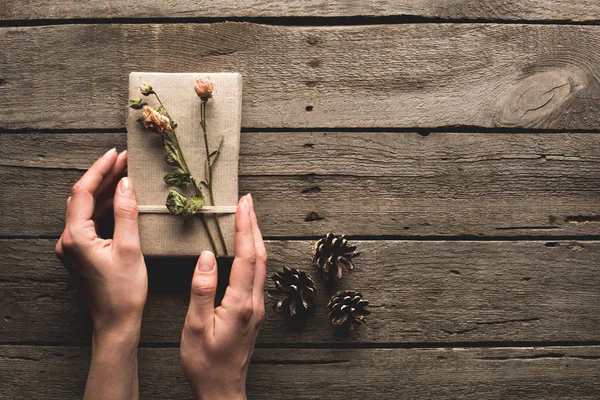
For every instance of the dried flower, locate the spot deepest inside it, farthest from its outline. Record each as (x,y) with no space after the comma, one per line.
(136,103)
(204,88)
(180,176)
(155,121)
(146,89)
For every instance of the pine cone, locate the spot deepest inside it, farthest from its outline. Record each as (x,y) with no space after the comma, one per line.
(347,309)
(331,255)
(295,291)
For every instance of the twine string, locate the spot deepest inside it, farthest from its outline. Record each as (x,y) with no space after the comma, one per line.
(149,209)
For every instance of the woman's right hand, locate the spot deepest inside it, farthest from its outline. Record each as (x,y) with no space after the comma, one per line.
(217,344)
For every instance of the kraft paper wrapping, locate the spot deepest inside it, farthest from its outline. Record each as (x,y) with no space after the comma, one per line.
(163,234)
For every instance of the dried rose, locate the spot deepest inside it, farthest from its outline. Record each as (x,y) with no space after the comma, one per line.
(146,89)
(136,103)
(204,88)
(155,121)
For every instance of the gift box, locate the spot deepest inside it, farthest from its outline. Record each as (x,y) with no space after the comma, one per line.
(161,233)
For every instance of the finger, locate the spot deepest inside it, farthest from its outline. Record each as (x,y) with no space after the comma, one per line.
(81,206)
(108,185)
(241,279)
(258,291)
(201,313)
(65,256)
(58,248)
(126,236)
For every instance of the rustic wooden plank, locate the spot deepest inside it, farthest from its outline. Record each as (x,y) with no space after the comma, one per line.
(407,75)
(447,292)
(468,373)
(362,184)
(365,154)
(581,10)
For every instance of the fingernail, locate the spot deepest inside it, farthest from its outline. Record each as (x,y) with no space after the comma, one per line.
(206,263)
(113,150)
(123,153)
(244,205)
(250,201)
(126,187)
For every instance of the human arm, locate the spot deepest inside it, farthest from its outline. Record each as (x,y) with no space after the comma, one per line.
(217,343)
(110,273)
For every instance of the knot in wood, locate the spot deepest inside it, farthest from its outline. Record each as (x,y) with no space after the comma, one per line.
(538,99)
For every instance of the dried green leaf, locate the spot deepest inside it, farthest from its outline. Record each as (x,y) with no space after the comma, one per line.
(177,177)
(196,203)
(172,157)
(176,202)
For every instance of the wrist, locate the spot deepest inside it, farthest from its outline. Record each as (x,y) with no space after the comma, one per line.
(113,368)
(118,329)
(120,337)
(218,391)
(221,396)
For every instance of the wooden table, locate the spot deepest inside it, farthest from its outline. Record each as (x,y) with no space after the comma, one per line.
(457,143)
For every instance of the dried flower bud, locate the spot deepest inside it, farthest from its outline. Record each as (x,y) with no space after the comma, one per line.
(204,88)
(137,103)
(146,89)
(155,121)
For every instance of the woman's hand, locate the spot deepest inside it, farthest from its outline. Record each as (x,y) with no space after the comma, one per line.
(216,344)
(111,273)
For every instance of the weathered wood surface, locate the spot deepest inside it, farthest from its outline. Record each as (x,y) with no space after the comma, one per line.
(446,292)
(362,184)
(409,75)
(508,373)
(579,10)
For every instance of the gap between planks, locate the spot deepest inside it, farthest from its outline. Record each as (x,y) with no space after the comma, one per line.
(342,346)
(551,241)
(311,11)
(294,21)
(423,131)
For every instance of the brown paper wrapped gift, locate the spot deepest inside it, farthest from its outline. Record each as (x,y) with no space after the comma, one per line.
(161,233)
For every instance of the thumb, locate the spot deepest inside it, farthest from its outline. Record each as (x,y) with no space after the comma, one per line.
(201,314)
(126,235)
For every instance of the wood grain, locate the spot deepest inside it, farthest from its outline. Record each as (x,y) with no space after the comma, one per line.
(516,373)
(446,292)
(580,10)
(361,184)
(407,75)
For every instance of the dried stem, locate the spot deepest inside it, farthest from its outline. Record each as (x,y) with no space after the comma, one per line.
(209,172)
(173,138)
(163,106)
(210,236)
(185,165)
